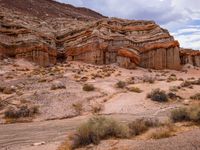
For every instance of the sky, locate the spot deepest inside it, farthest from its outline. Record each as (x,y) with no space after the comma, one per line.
(180,17)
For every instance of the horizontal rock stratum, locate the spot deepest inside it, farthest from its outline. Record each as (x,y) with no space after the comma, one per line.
(45,31)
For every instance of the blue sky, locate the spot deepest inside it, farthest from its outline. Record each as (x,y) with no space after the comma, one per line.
(180,17)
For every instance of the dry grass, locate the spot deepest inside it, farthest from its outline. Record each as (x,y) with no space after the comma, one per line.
(65,146)
(162,132)
(196,96)
(135,89)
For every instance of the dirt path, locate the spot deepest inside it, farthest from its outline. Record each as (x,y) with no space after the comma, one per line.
(22,136)
(25,134)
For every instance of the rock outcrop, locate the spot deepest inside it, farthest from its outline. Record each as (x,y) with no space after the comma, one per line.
(189,56)
(47,31)
(129,43)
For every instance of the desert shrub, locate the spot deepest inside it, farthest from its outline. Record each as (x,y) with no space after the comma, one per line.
(149,79)
(174,88)
(121,84)
(88,87)
(194,113)
(158,95)
(171,78)
(99,128)
(196,96)
(187,84)
(57,85)
(186,114)
(162,132)
(97,108)
(65,146)
(23,111)
(173,96)
(141,125)
(78,107)
(181,79)
(135,89)
(180,114)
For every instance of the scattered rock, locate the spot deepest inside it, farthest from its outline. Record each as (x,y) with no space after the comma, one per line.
(58,85)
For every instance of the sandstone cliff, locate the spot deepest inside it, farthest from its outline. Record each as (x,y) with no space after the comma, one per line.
(129,43)
(189,56)
(45,31)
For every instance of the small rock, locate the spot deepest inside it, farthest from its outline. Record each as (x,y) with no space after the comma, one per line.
(38,144)
(57,85)
(186,102)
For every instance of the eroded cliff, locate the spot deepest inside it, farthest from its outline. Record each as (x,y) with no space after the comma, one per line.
(54,31)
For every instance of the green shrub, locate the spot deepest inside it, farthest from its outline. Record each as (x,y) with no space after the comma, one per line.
(158,95)
(98,128)
(88,87)
(121,84)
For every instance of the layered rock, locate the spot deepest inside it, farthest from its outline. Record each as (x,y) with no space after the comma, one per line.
(189,56)
(47,31)
(21,38)
(129,43)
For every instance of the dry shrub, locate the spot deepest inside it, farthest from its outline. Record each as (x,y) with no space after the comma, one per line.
(139,126)
(88,87)
(149,79)
(78,107)
(196,96)
(158,95)
(65,146)
(194,113)
(23,111)
(135,89)
(97,108)
(162,132)
(99,128)
(121,84)
(186,114)
(171,78)
(187,84)
(180,114)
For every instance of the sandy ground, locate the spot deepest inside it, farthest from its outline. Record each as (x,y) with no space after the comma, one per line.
(33,84)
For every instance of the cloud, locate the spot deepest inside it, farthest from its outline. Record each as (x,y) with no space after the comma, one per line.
(175,15)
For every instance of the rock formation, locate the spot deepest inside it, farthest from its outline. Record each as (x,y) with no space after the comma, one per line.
(129,43)
(47,31)
(189,56)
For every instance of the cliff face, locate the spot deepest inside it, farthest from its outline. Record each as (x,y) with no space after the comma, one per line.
(29,28)
(45,31)
(129,43)
(189,56)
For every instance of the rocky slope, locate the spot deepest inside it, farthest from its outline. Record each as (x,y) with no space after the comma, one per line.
(45,31)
